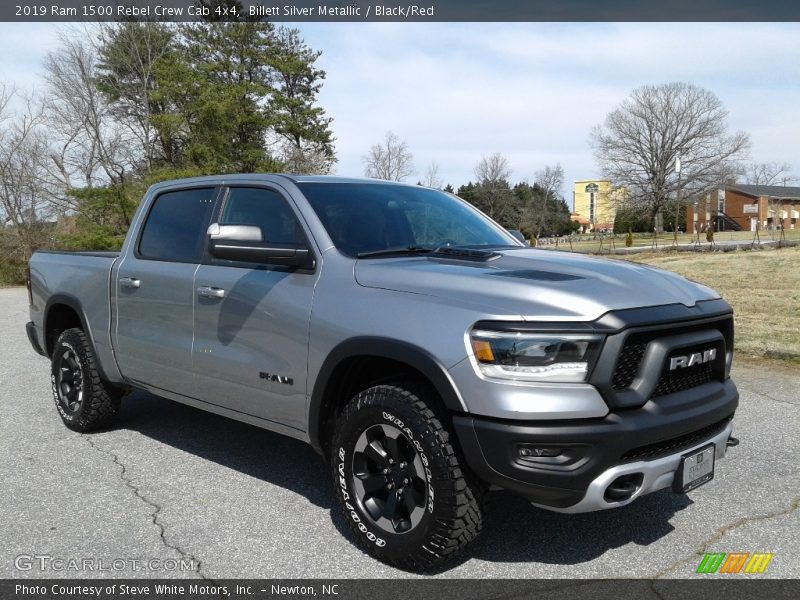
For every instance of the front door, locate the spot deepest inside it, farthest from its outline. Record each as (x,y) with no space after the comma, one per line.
(252,321)
(155,291)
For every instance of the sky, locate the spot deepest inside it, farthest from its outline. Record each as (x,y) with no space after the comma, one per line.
(530,91)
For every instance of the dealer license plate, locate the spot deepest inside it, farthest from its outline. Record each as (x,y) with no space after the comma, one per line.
(695,469)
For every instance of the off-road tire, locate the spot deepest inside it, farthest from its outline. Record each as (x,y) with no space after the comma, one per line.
(99,402)
(453,501)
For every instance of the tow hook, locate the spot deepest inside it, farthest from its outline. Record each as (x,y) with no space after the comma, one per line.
(732,441)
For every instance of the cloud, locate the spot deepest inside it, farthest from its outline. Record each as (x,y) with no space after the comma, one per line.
(23,47)
(532,91)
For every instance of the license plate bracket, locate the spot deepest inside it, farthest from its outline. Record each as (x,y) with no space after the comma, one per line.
(696,468)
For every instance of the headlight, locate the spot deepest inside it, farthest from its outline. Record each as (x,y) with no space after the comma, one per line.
(558,358)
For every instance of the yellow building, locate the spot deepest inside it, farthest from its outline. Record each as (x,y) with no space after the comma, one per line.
(595,204)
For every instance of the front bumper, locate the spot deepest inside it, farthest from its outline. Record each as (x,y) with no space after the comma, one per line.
(648,440)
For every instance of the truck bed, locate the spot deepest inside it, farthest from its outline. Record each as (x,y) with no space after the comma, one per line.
(75,279)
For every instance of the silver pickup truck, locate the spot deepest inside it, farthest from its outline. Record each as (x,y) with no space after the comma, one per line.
(420,348)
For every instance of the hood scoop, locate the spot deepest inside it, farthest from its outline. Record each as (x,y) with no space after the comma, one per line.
(465,254)
(535,275)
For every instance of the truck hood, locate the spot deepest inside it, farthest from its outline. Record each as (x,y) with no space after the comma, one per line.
(536,285)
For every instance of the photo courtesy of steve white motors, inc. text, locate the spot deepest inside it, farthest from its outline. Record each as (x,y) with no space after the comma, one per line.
(173,589)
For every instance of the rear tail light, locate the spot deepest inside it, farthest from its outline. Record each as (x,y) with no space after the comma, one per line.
(28,285)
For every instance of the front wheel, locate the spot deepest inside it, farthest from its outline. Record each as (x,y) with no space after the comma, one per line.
(401,485)
(84,401)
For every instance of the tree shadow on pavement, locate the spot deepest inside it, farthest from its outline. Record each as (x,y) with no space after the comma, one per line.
(253,451)
(515,530)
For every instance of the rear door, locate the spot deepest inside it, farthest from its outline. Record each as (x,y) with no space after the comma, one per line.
(251,321)
(155,291)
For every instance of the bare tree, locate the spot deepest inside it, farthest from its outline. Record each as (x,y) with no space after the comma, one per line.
(493,194)
(390,160)
(769,173)
(6,94)
(431,176)
(23,180)
(492,169)
(638,144)
(91,145)
(306,159)
(550,180)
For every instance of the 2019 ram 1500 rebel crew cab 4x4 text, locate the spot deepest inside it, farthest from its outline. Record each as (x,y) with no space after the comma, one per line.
(412,341)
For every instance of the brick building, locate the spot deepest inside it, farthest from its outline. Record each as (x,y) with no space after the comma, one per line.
(745,207)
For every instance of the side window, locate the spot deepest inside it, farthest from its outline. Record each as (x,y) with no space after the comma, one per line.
(264,208)
(176,225)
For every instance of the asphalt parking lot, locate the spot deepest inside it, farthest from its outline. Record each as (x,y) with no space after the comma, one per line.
(173,483)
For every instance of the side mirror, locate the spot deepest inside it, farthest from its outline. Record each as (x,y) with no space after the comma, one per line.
(518,235)
(236,233)
(245,243)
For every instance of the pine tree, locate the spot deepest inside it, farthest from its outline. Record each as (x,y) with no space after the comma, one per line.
(302,126)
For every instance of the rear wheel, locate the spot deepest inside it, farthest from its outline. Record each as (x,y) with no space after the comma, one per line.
(84,401)
(403,489)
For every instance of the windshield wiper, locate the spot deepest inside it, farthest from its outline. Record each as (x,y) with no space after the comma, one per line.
(407,250)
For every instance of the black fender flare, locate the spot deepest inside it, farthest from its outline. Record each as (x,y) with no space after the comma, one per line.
(75,304)
(378,347)
(69,301)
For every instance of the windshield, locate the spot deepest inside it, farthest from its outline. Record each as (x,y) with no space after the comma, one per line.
(364,218)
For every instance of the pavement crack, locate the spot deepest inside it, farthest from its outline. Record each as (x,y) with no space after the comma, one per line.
(155,508)
(653,589)
(721,531)
(768,397)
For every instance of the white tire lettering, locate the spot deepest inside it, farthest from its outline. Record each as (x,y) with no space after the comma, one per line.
(425,463)
(346,497)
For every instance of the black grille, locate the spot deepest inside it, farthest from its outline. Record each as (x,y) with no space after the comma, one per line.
(627,365)
(675,445)
(672,382)
(635,348)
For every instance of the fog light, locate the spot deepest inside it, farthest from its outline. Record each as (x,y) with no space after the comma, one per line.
(538,452)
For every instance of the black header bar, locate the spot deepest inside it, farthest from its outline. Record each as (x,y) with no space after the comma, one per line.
(730,587)
(416,11)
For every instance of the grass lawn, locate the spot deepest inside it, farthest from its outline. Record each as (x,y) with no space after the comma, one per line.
(763,286)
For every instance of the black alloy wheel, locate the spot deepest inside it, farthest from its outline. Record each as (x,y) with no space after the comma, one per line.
(389,478)
(400,479)
(85,402)
(69,380)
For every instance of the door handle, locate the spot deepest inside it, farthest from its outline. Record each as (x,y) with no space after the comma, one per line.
(129,282)
(210,292)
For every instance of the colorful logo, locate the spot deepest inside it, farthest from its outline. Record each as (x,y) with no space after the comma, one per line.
(734,562)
